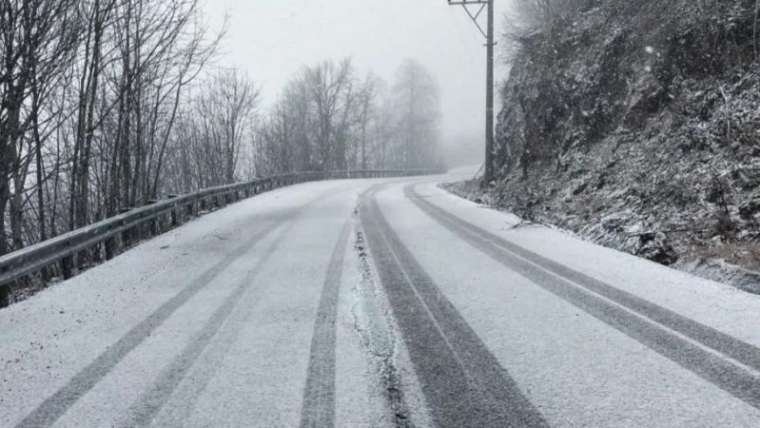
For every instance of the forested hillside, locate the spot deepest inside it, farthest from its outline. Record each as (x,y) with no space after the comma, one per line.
(108,105)
(637,124)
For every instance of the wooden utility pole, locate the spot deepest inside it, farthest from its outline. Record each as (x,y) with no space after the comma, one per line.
(489,97)
(488,33)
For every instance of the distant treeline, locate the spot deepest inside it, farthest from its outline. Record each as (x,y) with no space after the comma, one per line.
(327,118)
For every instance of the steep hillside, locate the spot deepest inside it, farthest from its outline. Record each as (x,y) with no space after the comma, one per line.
(637,124)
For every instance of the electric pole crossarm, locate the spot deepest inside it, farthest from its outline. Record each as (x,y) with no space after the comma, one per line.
(466,2)
(475,17)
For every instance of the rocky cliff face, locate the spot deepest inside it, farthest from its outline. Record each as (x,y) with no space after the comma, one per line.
(637,124)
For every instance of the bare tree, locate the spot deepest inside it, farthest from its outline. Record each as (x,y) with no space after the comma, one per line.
(212,131)
(37,39)
(367,100)
(384,131)
(99,14)
(416,97)
(330,86)
(89,95)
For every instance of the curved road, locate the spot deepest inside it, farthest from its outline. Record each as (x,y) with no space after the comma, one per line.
(379,303)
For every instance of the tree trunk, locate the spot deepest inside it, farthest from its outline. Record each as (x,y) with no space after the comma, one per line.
(4,195)
(17,213)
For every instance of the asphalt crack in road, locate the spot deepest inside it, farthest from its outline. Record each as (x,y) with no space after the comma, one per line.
(373,325)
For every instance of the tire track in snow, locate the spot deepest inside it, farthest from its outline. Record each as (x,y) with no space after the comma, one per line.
(53,407)
(724,361)
(144,410)
(464,384)
(318,408)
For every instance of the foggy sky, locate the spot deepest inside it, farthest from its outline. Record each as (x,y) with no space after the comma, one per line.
(272,39)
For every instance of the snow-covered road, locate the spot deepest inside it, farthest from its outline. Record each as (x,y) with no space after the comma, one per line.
(379,303)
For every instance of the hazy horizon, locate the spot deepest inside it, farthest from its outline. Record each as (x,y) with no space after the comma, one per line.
(271,41)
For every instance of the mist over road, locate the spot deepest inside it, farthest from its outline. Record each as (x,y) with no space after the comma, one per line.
(384,302)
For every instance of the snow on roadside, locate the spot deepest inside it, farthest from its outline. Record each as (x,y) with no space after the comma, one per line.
(719,305)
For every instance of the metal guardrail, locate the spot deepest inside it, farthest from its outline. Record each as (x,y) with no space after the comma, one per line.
(104,239)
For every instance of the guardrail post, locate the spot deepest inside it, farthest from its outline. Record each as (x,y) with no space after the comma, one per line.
(5,295)
(111,245)
(96,254)
(154,225)
(67,266)
(127,235)
(175,215)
